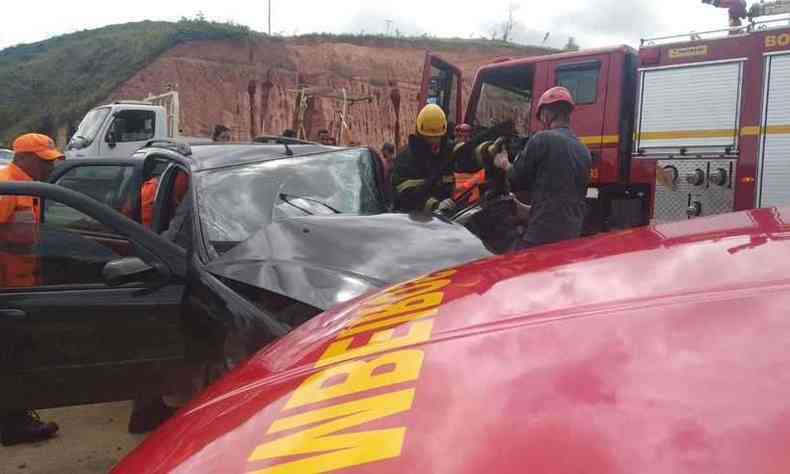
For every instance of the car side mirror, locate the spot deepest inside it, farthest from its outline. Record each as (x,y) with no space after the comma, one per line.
(128,270)
(76,143)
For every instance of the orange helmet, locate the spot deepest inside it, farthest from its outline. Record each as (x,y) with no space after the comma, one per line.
(556,95)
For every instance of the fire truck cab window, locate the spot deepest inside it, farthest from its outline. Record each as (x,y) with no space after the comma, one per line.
(581,80)
(506,95)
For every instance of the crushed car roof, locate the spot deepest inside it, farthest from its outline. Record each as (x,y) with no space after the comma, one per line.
(654,350)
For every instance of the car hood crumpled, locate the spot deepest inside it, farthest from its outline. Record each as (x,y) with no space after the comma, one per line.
(326,260)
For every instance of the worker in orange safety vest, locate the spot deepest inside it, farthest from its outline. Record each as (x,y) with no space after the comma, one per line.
(35,157)
(148,196)
(467,185)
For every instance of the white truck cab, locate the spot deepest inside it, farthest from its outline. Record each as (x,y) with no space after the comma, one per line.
(119,129)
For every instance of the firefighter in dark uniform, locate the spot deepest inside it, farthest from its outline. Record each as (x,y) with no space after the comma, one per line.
(555,169)
(423,176)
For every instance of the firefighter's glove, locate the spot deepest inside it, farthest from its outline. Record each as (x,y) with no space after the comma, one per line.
(502,161)
(498,146)
(446,206)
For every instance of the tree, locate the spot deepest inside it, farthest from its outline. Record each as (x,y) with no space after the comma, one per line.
(571,45)
(507,27)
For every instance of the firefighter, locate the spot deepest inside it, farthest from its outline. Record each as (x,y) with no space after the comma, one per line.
(555,169)
(467,184)
(35,157)
(423,177)
(148,196)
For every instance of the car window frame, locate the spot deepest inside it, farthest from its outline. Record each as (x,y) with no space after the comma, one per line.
(62,170)
(164,193)
(148,246)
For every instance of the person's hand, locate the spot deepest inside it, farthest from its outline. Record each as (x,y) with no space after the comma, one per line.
(446,206)
(498,146)
(522,211)
(502,161)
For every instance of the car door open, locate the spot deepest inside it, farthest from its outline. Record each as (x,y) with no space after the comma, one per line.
(442,84)
(81,322)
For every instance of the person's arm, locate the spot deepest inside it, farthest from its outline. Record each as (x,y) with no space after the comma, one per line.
(446,202)
(526,163)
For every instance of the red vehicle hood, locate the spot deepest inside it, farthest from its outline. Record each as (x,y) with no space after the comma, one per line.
(656,350)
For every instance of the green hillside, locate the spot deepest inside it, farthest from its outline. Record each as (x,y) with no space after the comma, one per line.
(56,81)
(60,79)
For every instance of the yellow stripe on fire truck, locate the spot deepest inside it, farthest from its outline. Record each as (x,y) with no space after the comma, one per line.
(745,132)
(600,139)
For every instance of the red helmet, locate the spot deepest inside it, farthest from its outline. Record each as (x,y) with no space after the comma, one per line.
(556,95)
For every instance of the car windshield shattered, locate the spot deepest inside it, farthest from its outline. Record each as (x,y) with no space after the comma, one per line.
(236,203)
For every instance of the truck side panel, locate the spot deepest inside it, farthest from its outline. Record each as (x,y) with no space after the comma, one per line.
(751,134)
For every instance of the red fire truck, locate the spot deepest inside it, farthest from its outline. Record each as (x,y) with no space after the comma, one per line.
(687,126)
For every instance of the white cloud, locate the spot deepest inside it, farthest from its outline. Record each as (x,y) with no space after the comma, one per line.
(592,22)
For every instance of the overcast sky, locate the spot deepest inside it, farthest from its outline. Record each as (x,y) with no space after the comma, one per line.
(592,22)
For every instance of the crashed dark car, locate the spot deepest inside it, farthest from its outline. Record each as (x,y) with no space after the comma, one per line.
(265,237)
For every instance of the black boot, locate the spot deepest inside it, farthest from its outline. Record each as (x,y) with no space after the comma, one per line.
(24,427)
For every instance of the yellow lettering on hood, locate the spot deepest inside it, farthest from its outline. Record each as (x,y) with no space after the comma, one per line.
(337,450)
(359,376)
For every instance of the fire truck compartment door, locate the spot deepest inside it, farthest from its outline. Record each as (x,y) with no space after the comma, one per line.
(774,172)
(695,106)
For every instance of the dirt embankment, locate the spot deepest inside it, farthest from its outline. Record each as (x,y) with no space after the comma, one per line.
(253,87)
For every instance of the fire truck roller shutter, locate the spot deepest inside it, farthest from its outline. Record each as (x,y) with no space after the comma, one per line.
(691,106)
(774,171)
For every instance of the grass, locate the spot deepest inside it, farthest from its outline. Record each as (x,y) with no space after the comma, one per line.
(58,80)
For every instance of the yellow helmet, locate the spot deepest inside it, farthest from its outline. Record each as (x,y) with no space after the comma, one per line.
(431,121)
